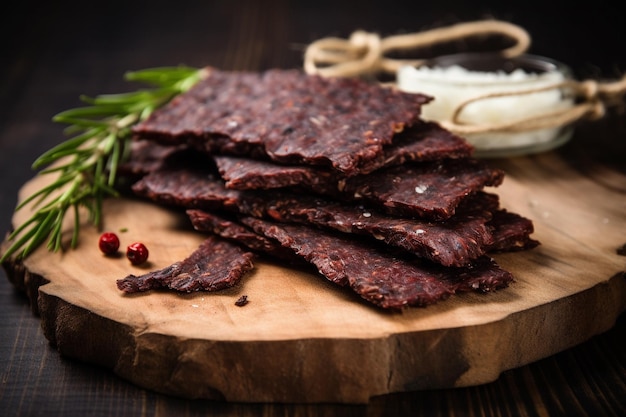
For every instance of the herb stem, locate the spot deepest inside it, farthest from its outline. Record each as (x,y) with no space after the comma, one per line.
(86,164)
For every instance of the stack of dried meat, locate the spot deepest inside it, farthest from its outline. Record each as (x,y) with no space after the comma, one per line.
(340,174)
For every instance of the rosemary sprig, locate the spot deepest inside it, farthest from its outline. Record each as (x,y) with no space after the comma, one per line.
(86,164)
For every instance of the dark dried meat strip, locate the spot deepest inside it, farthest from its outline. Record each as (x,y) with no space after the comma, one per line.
(483,276)
(511,232)
(383,279)
(204,221)
(293,117)
(215,265)
(507,231)
(425,141)
(429,190)
(454,242)
(188,188)
(146,156)
(240,173)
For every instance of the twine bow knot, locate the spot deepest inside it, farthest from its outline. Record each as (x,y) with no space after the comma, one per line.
(366,53)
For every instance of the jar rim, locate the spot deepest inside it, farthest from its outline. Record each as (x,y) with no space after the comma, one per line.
(491,62)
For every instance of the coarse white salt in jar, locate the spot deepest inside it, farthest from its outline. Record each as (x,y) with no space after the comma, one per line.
(455,79)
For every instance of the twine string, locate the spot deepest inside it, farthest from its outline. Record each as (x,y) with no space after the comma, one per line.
(365,53)
(591,99)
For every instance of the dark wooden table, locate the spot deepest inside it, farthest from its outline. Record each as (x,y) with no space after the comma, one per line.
(51,54)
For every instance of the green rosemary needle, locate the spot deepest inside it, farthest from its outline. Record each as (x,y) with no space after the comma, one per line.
(86,164)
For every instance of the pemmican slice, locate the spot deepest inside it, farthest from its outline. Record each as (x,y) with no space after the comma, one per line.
(424,141)
(380,277)
(289,116)
(215,265)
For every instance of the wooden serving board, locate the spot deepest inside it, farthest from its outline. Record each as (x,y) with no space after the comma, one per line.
(301,339)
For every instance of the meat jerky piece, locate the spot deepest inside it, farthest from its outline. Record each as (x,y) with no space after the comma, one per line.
(511,232)
(146,156)
(252,174)
(483,276)
(292,116)
(215,265)
(455,242)
(381,278)
(204,221)
(188,188)
(425,141)
(428,190)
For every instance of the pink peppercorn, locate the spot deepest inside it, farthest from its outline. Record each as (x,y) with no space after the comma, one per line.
(137,253)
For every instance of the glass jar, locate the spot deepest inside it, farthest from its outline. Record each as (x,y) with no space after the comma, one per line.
(454,79)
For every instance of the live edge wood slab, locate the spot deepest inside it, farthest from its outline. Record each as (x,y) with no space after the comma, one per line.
(300,339)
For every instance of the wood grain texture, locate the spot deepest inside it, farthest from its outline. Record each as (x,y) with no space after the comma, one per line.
(303,340)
